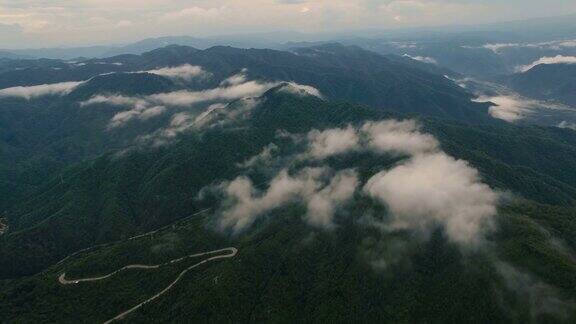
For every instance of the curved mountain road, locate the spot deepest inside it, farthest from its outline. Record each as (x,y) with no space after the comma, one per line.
(231,253)
(126,240)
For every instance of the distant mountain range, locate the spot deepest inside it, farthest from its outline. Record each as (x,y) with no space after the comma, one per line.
(529,30)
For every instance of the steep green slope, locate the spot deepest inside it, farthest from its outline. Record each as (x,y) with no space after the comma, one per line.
(556,82)
(286,272)
(41,135)
(339,72)
(113,197)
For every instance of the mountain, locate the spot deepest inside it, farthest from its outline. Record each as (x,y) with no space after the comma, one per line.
(5,55)
(139,191)
(150,44)
(556,82)
(343,73)
(64,53)
(283,263)
(54,131)
(345,185)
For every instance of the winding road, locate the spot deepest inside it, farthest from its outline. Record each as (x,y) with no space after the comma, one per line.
(231,253)
(128,239)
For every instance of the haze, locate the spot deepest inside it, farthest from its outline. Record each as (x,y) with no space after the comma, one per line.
(43,23)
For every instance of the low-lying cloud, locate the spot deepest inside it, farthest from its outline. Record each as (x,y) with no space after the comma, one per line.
(389,136)
(567,125)
(508,108)
(301,90)
(424,59)
(551,45)
(184,72)
(184,98)
(426,190)
(512,108)
(233,88)
(31,92)
(244,204)
(431,189)
(559,59)
(331,142)
(217,114)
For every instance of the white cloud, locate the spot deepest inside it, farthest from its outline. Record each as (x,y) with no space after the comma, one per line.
(184,72)
(145,106)
(233,88)
(512,107)
(301,90)
(263,157)
(141,113)
(401,137)
(426,190)
(388,136)
(551,45)
(235,79)
(507,107)
(31,92)
(568,125)
(331,142)
(237,91)
(321,205)
(244,204)
(424,59)
(217,114)
(436,189)
(559,59)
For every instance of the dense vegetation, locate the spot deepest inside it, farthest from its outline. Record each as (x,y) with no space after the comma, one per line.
(71,185)
(555,82)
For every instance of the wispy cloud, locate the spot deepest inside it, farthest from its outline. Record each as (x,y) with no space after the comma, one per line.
(567,125)
(184,72)
(432,189)
(424,59)
(233,88)
(302,90)
(551,45)
(389,136)
(508,108)
(512,107)
(140,105)
(559,59)
(31,92)
(312,186)
(426,190)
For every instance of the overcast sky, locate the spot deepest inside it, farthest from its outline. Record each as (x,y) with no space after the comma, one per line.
(37,23)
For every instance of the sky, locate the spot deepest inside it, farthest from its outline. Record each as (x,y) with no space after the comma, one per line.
(44,23)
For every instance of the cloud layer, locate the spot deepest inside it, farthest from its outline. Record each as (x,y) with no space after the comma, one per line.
(551,45)
(432,189)
(234,88)
(311,186)
(512,108)
(54,89)
(424,59)
(559,59)
(424,191)
(184,72)
(144,106)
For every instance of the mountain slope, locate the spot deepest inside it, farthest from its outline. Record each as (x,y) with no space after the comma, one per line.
(121,196)
(556,82)
(339,72)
